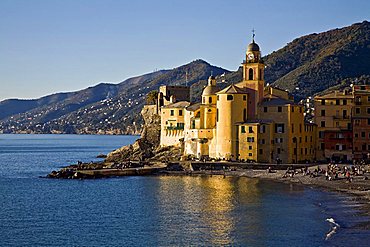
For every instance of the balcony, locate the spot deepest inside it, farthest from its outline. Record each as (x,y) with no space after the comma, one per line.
(346,117)
(174,127)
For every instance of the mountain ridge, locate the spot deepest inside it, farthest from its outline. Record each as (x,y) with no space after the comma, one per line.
(306,66)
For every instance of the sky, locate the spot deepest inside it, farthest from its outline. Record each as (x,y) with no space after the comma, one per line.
(50,46)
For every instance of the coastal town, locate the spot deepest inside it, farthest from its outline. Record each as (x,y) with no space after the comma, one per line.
(248,129)
(252,122)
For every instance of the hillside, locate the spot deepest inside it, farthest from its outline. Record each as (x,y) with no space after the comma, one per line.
(316,62)
(306,66)
(104,108)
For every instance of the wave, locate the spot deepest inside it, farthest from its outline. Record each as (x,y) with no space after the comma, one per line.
(334,228)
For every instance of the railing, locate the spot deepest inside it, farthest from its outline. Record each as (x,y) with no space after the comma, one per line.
(174,127)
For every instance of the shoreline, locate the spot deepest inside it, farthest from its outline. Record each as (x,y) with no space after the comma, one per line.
(357,191)
(360,196)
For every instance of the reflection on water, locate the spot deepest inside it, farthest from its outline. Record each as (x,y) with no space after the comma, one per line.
(210,201)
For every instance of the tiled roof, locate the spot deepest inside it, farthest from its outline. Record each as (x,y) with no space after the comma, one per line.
(180,104)
(193,107)
(232,89)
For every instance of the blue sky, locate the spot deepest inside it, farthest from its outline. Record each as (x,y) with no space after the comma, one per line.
(58,46)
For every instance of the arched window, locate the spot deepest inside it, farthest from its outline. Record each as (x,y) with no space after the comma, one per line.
(250,74)
(210,100)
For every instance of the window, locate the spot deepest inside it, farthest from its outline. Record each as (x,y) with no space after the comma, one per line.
(278,151)
(245,114)
(363,147)
(323,113)
(265,109)
(261,151)
(250,129)
(337,102)
(243,129)
(292,108)
(344,113)
(250,154)
(229,97)
(368,110)
(210,100)
(279,128)
(322,146)
(250,74)
(363,134)
(305,139)
(250,147)
(295,151)
(245,97)
(218,97)
(263,128)
(322,102)
(217,114)
(323,124)
(250,139)
(279,140)
(292,128)
(321,134)
(356,135)
(180,112)
(263,141)
(300,128)
(368,121)
(358,110)
(172,112)
(368,98)
(344,102)
(280,109)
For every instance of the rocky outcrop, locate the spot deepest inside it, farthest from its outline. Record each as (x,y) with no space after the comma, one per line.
(145,147)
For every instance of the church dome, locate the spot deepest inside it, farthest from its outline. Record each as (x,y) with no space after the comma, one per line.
(253,47)
(210,90)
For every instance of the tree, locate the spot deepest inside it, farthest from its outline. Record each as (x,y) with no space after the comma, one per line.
(151,97)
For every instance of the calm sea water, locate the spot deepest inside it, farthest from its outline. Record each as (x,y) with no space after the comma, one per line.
(155,211)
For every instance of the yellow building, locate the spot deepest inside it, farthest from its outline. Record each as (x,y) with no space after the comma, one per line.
(361,122)
(245,121)
(333,119)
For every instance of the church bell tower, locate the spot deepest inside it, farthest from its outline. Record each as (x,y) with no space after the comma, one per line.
(253,73)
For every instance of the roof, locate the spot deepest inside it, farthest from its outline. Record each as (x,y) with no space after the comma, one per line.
(210,90)
(253,47)
(277,101)
(180,104)
(232,89)
(335,95)
(193,107)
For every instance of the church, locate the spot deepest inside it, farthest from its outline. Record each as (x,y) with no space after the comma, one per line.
(246,121)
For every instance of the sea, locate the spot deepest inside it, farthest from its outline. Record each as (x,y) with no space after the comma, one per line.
(158,210)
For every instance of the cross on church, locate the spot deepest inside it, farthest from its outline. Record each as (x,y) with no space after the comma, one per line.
(253,33)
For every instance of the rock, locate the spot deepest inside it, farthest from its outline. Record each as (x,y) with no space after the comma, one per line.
(143,148)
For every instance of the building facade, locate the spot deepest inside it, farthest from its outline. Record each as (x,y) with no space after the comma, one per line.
(245,121)
(343,120)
